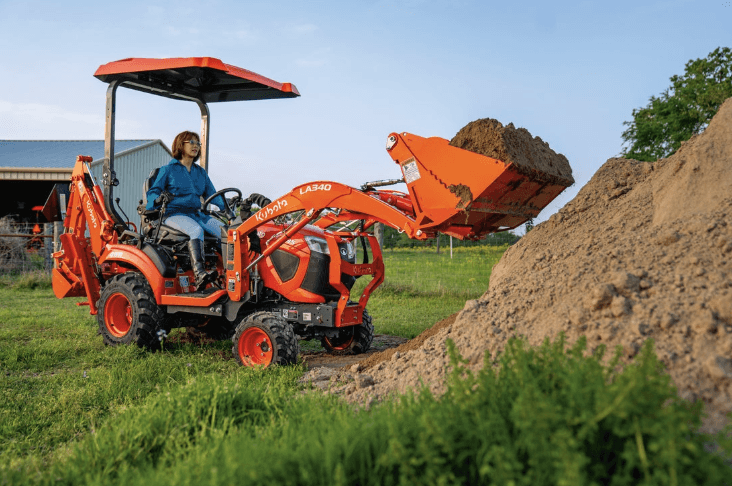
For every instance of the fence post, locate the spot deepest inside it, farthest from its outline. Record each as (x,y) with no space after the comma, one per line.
(379,233)
(48,244)
(58,228)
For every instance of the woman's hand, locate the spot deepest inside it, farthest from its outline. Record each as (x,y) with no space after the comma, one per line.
(164,198)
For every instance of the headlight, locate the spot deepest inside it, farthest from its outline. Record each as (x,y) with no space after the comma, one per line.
(347,251)
(317,244)
(351,250)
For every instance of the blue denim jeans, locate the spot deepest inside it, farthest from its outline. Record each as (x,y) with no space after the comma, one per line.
(195,224)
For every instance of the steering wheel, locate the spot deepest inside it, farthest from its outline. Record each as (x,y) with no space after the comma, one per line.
(227,213)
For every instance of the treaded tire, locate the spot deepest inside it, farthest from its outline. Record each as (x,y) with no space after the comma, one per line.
(352,339)
(265,339)
(128,312)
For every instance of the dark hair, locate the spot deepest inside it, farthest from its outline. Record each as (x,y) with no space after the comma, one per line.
(180,139)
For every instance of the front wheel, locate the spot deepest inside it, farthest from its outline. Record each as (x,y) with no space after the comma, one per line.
(352,339)
(264,339)
(128,312)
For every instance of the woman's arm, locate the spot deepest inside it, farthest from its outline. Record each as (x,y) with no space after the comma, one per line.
(157,188)
(210,189)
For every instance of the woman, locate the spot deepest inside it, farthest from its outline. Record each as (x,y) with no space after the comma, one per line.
(181,184)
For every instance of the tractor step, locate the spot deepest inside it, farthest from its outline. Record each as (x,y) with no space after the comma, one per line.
(203,298)
(198,294)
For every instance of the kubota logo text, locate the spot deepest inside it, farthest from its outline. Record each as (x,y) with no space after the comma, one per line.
(271,210)
(91,213)
(89,207)
(358,270)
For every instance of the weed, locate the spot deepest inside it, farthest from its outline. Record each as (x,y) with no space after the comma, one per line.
(546,415)
(36,279)
(77,412)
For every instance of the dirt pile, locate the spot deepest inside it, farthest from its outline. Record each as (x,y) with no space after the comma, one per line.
(529,155)
(643,251)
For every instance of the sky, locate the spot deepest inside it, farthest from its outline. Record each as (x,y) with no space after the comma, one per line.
(570,72)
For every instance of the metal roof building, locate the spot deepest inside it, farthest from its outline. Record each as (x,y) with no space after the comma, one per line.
(30,168)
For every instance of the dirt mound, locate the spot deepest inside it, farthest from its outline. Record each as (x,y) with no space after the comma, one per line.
(410,345)
(382,344)
(529,155)
(643,251)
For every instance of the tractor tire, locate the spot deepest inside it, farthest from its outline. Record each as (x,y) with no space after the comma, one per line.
(352,339)
(128,312)
(264,339)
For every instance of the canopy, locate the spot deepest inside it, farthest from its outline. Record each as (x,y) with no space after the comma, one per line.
(201,78)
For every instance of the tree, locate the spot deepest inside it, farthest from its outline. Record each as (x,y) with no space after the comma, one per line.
(682,110)
(529,224)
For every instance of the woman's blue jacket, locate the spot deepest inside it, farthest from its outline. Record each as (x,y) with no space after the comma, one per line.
(187,187)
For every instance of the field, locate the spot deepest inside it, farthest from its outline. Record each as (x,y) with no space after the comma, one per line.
(76,412)
(59,381)
(422,287)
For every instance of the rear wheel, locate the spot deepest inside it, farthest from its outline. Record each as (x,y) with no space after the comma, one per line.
(352,339)
(264,339)
(128,312)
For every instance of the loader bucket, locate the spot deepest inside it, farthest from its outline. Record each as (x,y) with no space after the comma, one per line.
(465,194)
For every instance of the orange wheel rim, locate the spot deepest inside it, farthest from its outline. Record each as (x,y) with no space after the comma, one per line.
(255,347)
(118,315)
(340,343)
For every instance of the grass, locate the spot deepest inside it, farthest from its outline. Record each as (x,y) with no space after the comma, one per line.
(465,274)
(73,411)
(549,416)
(421,287)
(36,279)
(59,380)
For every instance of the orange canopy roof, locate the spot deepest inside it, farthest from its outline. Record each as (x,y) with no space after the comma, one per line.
(204,78)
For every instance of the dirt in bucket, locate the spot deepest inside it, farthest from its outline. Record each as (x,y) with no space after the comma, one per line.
(529,155)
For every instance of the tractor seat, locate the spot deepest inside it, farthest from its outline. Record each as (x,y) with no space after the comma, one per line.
(150,219)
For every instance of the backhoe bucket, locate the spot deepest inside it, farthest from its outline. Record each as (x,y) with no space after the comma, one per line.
(465,194)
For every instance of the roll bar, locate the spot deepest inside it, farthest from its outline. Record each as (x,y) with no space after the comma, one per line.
(202,80)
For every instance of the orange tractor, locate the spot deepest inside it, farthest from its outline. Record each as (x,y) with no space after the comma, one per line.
(298,284)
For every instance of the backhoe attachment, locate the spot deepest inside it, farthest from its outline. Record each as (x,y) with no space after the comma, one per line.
(74,274)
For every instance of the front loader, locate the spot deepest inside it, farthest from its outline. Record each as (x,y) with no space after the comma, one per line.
(296,283)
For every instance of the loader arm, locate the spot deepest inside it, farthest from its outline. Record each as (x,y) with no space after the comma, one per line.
(346,203)
(321,195)
(76,272)
(395,199)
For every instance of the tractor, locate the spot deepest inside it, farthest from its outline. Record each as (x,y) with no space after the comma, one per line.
(285,267)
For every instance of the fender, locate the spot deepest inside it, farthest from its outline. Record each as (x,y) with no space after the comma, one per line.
(131,256)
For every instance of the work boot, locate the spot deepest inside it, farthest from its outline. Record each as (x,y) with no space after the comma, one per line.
(195,248)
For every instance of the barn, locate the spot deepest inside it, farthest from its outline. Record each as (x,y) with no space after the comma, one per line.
(30,168)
